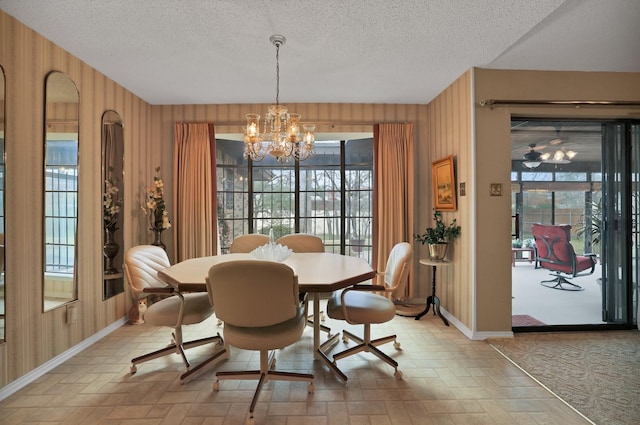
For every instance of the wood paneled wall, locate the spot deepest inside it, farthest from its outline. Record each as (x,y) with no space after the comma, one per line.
(450,133)
(34,337)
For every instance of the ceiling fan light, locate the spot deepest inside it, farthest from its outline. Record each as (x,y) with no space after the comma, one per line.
(532,164)
(571,154)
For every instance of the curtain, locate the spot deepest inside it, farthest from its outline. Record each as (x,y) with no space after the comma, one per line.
(195,220)
(113,150)
(393,158)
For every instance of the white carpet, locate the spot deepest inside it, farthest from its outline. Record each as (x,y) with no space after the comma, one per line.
(553,306)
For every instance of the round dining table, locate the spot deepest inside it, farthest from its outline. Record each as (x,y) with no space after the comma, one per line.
(317,273)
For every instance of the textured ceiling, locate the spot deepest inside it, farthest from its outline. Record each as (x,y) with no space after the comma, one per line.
(368,51)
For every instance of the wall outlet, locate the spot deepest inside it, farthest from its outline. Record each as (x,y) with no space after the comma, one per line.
(72,314)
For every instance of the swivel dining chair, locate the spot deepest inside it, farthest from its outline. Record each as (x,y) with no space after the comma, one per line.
(141,266)
(359,304)
(301,243)
(239,289)
(247,243)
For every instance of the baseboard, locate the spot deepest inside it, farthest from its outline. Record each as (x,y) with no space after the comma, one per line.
(28,378)
(474,335)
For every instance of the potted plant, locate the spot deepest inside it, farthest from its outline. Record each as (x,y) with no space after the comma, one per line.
(591,224)
(438,236)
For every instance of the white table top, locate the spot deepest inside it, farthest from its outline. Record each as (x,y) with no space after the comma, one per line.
(430,262)
(317,272)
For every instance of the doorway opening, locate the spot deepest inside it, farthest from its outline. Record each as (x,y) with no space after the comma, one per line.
(561,176)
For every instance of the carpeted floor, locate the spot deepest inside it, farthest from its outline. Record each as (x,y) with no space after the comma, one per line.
(598,373)
(525,320)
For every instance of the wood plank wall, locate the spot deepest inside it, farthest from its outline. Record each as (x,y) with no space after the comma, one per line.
(449,133)
(34,337)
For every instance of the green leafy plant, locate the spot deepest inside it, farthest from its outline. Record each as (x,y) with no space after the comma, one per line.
(595,227)
(440,233)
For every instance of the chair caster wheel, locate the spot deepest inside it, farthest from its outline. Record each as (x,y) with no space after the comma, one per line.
(322,317)
(311,388)
(396,345)
(133,369)
(216,386)
(345,339)
(398,374)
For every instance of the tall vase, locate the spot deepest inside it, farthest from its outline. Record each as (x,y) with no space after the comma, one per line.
(157,233)
(110,250)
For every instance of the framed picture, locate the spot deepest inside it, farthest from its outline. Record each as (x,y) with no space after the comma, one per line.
(444,184)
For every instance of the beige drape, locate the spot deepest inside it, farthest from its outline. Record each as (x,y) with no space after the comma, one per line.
(195,219)
(393,187)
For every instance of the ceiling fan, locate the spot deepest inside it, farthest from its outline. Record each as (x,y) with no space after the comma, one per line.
(533,158)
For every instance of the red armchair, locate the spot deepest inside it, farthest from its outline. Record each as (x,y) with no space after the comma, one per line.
(554,252)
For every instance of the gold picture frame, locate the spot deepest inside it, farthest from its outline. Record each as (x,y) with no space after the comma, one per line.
(444,184)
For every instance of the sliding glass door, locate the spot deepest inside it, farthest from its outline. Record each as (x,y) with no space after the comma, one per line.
(585,174)
(620,163)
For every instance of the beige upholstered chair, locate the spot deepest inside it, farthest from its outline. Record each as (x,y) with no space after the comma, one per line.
(300,243)
(141,265)
(359,305)
(258,302)
(247,243)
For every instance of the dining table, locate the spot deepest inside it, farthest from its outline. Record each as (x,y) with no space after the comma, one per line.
(318,273)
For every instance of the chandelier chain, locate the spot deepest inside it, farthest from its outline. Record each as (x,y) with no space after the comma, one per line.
(277,73)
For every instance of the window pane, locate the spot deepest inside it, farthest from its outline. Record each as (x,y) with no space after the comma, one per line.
(306,197)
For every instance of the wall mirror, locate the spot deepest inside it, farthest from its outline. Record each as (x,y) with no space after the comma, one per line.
(60,190)
(112,203)
(2,191)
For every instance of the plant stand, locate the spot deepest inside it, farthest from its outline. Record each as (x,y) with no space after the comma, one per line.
(433,299)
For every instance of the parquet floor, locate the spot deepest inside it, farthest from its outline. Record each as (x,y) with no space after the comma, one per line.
(448,379)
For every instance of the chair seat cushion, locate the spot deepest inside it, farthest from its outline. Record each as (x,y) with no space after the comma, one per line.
(362,307)
(266,337)
(165,311)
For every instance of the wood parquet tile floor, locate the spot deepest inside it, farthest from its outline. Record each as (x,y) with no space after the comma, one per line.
(448,379)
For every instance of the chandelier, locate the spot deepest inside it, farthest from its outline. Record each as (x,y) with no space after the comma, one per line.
(281,137)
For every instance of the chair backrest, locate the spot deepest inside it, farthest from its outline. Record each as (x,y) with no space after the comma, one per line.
(396,273)
(141,266)
(553,246)
(247,243)
(302,242)
(252,293)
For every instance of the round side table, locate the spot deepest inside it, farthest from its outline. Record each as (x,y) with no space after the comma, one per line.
(433,299)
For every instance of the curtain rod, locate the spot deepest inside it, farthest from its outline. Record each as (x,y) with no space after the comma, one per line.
(575,103)
(331,123)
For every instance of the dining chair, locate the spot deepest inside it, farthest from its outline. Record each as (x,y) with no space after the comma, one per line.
(359,305)
(301,243)
(141,265)
(247,243)
(239,289)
